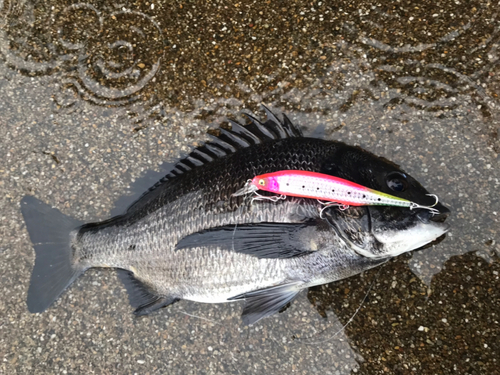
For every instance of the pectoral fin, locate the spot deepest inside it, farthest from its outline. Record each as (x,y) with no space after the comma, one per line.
(263,240)
(265,302)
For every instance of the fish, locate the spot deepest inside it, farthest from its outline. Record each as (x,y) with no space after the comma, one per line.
(324,187)
(188,237)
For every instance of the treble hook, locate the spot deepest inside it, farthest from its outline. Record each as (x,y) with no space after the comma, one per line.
(435,197)
(249,188)
(342,207)
(246,189)
(274,198)
(432,210)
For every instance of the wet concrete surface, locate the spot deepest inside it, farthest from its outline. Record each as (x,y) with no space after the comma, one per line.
(93,95)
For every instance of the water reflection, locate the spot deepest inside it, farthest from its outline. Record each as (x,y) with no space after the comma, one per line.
(433,53)
(103,55)
(430,58)
(421,316)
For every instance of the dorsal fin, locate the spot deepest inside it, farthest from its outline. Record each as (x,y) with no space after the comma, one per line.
(276,123)
(203,154)
(243,132)
(215,150)
(234,138)
(291,128)
(257,127)
(228,142)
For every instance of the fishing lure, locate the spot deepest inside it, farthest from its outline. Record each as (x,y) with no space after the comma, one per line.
(323,187)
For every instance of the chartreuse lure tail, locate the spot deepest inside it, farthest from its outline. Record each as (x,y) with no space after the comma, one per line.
(324,187)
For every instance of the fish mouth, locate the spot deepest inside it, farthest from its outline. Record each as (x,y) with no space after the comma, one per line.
(391,237)
(396,242)
(433,243)
(428,217)
(422,228)
(441,217)
(438,230)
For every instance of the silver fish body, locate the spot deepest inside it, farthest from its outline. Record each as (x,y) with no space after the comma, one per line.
(188,237)
(213,273)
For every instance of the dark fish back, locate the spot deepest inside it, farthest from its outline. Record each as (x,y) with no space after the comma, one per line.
(223,176)
(222,166)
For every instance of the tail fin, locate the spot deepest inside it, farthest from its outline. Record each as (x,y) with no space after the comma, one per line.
(54,271)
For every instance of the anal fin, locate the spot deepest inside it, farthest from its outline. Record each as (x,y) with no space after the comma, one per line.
(142,296)
(265,302)
(155,305)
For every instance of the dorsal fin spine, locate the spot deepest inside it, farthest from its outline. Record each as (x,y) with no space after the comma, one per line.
(294,130)
(228,142)
(201,154)
(262,128)
(216,150)
(194,160)
(235,139)
(245,133)
(275,122)
(228,148)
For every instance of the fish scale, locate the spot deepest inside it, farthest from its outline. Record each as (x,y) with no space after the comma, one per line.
(183,218)
(189,237)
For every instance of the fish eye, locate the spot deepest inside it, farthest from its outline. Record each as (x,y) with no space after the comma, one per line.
(262,182)
(396,181)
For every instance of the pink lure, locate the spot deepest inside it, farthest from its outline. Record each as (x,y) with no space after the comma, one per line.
(323,187)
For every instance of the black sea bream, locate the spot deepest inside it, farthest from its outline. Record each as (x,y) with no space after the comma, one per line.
(189,238)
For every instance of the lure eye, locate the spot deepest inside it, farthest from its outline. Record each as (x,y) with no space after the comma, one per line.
(262,182)
(396,181)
